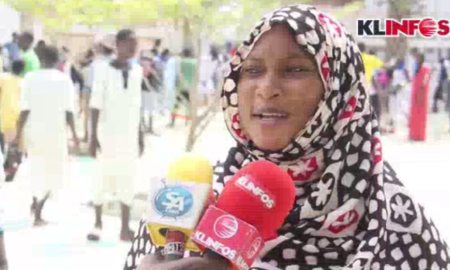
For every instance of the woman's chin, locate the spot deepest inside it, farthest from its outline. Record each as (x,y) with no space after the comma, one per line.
(272,144)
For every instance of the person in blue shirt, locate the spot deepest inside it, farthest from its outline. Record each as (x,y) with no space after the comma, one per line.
(13,48)
(134,61)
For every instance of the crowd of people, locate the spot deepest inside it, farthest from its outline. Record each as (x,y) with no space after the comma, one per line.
(400,90)
(114,92)
(167,76)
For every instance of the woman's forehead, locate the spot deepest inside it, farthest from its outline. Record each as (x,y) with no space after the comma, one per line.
(277,42)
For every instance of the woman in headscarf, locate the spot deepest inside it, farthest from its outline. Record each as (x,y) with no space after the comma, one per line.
(295,94)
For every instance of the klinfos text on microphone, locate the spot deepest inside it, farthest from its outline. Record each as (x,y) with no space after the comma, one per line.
(249,211)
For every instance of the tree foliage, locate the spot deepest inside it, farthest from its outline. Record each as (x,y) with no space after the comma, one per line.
(403,8)
(212,14)
(62,15)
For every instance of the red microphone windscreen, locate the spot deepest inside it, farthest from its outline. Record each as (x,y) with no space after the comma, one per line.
(261,194)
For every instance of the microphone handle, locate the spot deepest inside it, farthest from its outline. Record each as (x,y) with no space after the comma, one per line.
(211,254)
(173,257)
(175,245)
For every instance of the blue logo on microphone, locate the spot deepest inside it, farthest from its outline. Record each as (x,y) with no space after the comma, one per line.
(173,201)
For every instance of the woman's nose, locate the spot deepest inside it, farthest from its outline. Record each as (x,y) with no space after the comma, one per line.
(269,87)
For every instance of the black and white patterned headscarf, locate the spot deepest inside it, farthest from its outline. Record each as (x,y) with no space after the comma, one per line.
(351,211)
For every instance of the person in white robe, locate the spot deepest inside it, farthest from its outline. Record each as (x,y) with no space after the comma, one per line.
(47,107)
(116,132)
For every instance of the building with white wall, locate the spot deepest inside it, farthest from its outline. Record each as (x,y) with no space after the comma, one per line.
(10,22)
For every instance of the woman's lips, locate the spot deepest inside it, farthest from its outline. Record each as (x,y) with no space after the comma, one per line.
(270,117)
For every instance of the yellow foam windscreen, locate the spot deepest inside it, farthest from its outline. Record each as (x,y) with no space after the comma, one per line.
(191,167)
(187,170)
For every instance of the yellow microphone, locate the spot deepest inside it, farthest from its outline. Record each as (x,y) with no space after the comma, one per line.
(176,204)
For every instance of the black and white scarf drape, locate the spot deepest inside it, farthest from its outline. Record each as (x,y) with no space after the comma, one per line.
(351,211)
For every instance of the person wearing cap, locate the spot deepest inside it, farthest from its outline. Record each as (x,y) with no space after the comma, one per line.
(116,133)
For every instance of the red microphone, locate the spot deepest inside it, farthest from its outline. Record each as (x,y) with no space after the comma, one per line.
(251,208)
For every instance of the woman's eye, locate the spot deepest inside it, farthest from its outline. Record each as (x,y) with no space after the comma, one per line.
(296,69)
(252,70)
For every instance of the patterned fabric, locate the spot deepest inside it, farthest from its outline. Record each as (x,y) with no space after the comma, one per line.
(351,211)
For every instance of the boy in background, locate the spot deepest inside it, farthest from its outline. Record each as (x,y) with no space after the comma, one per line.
(29,56)
(116,130)
(47,107)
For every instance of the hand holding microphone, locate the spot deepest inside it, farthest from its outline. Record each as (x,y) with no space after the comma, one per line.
(158,262)
(250,210)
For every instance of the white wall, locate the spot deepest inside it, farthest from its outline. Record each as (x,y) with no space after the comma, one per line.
(10,22)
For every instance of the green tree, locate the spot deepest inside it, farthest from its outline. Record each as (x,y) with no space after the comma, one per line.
(61,15)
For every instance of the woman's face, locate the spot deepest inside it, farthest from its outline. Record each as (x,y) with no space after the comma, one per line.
(279,90)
